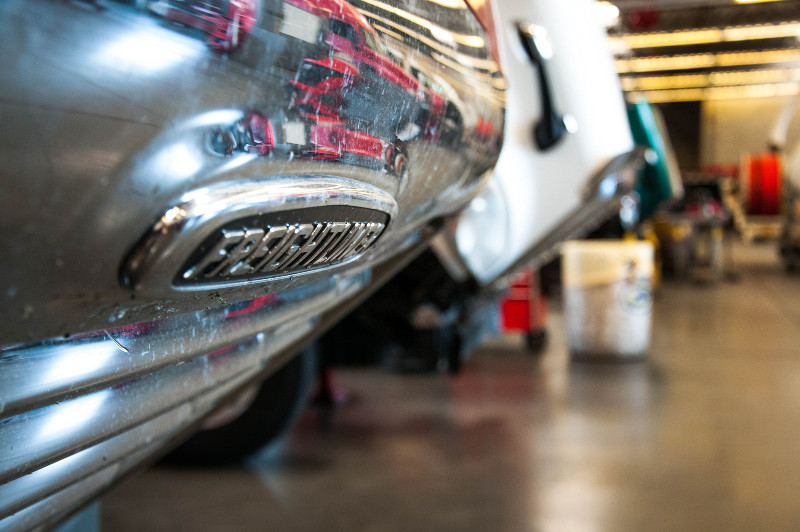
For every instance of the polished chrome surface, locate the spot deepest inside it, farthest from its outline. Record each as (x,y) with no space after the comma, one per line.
(79,412)
(47,372)
(191,191)
(115,115)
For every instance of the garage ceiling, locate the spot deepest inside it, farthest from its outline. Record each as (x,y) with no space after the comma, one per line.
(688,50)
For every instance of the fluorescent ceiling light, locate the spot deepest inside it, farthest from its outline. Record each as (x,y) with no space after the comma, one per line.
(607,13)
(695,61)
(771,90)
(716,79)
(709,35)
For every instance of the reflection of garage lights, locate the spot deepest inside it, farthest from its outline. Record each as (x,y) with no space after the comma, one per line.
(473,41)
(718,93)
(149,53)
(387,31)
(453,4)
(442,35)
(708,35)
(725,59)
(472,62)
(462,69)
(79,363)
(71,415)
(178,161)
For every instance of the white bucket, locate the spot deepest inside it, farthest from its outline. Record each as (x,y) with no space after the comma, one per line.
(608,304)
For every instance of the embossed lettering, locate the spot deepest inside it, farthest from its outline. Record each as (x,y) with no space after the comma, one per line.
(309,246)
(269,242)
(374,230)
(342,244)
(358,232)
(336,231)
(218,253)
(236,262)
(302,232)
(249,252)
(273,255)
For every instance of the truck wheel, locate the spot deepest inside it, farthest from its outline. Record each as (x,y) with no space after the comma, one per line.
(273,410)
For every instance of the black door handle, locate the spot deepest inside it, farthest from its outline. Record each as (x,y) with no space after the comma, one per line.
(551,128)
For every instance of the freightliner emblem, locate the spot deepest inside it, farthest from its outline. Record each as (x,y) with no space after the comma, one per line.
(244,231)
(255,252)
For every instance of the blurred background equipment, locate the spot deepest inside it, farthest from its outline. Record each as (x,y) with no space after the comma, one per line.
(608,305)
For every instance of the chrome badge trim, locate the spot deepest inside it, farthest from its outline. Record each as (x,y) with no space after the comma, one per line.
(275,249)
(244,231)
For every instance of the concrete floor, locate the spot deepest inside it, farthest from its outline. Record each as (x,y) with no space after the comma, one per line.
(705,435)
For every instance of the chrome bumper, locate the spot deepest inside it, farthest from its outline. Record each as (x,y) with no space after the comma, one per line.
(78,413)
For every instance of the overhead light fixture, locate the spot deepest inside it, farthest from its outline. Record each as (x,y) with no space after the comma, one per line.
(762,31)
(754,1)
(714,79)
(709,60)
(677,62)
(709,35)
(676,38)
(664,82)
(607,13)
(771,90)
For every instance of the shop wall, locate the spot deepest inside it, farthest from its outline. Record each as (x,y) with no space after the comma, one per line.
(730,128)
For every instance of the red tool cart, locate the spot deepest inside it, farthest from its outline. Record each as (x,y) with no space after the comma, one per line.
(524,310)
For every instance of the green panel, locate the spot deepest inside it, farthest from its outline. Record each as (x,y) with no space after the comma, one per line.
(660,179)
